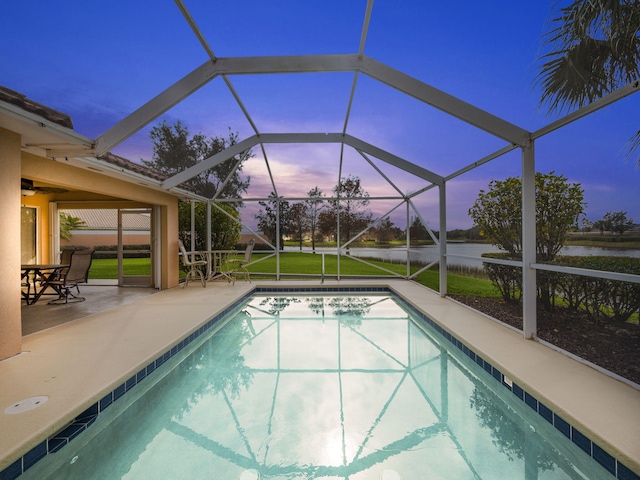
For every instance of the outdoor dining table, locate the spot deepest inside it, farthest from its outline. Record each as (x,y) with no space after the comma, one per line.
(216,259)
(37,277)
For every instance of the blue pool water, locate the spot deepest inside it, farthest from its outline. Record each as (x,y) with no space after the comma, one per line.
(337,386)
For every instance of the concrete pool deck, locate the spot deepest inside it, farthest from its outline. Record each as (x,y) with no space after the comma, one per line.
(77,363)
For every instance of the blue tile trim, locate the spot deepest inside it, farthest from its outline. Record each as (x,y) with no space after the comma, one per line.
(604,459)
(545,412)
(625,474)
(616,468)
(86,418)
(562,426)
(35,454)
(13,471)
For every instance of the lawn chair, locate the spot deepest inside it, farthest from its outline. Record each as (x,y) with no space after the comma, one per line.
(192,264)
(77,273)
(239,264)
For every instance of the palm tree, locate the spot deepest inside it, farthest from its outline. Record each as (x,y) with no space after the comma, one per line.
(593,49)
(69,223)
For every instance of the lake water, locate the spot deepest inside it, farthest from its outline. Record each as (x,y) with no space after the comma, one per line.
(429,253)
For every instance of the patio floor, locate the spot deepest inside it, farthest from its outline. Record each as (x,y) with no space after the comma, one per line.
(75,364)
(99,297)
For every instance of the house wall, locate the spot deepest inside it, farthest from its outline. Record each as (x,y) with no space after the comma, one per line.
(15,164)
(91,239)
(10,316)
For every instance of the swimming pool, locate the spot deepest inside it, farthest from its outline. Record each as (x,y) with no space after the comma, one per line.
(334,386)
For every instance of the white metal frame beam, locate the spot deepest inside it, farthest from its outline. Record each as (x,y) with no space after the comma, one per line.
(254,140)
(305,64)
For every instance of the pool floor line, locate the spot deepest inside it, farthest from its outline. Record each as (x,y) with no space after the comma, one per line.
(138,331)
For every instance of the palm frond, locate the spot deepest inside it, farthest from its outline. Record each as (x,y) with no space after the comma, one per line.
(632,149)
(593,49)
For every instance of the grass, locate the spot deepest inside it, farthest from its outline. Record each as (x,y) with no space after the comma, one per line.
(304,263)
(107,268)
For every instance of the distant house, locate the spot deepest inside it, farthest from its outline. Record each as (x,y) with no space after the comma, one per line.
(102,228)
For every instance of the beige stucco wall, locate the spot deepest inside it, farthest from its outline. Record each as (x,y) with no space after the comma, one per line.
(94,187)
(91,239)
(10,320)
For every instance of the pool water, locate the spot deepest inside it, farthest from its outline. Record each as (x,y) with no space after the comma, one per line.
(323,387)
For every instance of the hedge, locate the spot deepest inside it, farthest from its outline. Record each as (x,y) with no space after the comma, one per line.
(599,297)
(111,251)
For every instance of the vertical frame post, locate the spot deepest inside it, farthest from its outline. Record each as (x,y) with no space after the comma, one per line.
(529,320)
(210,255)
(443,239)
(193,226)
(408,239)
(278,246)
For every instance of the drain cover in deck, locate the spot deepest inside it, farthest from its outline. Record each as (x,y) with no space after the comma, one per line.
(26,405)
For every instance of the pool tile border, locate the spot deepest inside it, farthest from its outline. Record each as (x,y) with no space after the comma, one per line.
(607,461)
(89,416)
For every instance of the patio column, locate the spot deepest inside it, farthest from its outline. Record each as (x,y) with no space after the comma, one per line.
(529,319)
(10,199)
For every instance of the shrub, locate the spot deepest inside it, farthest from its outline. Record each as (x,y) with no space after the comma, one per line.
(507,279)
(599,297)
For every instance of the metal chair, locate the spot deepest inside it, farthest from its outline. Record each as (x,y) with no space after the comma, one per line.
(192,264)
(78,272)
(239,264)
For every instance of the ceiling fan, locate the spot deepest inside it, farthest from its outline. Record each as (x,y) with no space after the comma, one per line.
(27,188)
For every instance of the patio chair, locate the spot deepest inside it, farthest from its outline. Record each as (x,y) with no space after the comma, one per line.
(193,264)
(65,258)
(239,264)
(69,278)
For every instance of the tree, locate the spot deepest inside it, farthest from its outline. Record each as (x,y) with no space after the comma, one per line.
(298,221)
(600,225)
(498,213)
(314,208)
(617,222)
(587,225)
(69,223)
(175,150)
(349,205)
(225,232)
(593,49)
(417,231)
(386,230)
(267,218)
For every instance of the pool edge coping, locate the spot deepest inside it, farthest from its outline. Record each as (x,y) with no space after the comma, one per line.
(88,415)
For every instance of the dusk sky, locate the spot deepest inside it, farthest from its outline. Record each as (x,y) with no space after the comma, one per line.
(99,61)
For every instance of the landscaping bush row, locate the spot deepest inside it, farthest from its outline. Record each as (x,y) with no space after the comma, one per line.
(599,297)
(111,251)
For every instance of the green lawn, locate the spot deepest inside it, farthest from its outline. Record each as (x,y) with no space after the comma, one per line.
(304,263)
(107,268)
(293,262)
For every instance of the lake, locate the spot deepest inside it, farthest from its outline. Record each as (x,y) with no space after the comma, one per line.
(429,253)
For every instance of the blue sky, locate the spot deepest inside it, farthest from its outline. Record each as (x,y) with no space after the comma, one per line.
(98,61)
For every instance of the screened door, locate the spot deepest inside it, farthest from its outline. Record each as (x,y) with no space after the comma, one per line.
(134,247)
